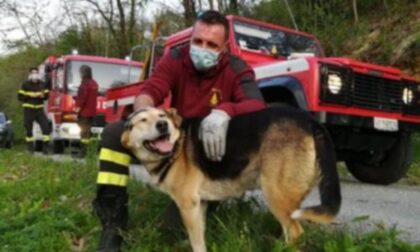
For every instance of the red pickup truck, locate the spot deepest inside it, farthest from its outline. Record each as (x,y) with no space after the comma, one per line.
(370,110)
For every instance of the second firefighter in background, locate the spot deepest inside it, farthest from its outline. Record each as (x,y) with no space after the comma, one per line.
(32,94)
(86,106)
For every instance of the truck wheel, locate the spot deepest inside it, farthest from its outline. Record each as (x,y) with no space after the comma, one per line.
(392,165)
(58,147)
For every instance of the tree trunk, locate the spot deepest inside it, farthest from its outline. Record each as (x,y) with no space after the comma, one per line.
(220,6)
(356,15)
(233,6)
(121,22)
(211,5)
(190,13)
(123,46)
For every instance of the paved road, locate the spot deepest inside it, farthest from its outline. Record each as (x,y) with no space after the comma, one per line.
(391,205)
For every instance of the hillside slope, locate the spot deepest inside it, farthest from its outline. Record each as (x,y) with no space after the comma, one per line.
(390,40)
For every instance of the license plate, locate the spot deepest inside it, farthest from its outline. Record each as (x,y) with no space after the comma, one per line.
(385,124)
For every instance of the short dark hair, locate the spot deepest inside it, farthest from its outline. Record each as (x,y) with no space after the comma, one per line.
(33,68)
(212,17)
(85,72)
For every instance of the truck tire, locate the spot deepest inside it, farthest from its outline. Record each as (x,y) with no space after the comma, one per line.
(390,168)
(58,147)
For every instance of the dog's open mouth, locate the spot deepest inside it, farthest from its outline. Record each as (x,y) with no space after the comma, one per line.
(161,145)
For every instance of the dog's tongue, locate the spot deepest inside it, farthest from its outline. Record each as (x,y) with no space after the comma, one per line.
(162,145)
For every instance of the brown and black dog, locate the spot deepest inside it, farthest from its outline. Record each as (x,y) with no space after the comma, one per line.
(282,151)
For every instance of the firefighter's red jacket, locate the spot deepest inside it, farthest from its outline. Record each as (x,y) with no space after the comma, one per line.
(229,86)
(86,98)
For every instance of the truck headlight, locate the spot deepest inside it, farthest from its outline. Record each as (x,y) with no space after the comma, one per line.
(75,130)
(334,83)
(72,129)
(407,96)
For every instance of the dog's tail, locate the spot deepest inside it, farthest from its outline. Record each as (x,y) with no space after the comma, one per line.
(329,186)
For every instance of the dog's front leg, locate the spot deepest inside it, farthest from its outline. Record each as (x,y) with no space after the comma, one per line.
(193,212)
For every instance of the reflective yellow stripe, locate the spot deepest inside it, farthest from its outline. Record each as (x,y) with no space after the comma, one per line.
(114,157)
(109,178)
(29,139)
(46,91)
(28,105)
(45,138)
(30,93)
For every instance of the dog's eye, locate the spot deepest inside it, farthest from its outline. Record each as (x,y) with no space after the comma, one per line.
(162,115)
(143,120)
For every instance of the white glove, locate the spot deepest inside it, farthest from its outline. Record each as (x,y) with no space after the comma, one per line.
(212,132)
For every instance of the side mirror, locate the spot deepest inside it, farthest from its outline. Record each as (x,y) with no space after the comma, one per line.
(9,122)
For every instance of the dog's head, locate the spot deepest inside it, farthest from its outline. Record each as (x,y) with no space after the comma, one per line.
(151,133)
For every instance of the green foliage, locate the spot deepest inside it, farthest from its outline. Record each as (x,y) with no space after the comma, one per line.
(334,24)
(413,176)
(341,240)
(323,20)
(45,205)
(68,40)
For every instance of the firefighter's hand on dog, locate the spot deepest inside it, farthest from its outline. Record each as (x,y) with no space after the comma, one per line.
(212,132)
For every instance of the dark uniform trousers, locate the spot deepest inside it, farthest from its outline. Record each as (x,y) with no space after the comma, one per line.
(85,124)
(111,202)
(31,115)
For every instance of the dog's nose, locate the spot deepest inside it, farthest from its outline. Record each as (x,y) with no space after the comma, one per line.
(162,126)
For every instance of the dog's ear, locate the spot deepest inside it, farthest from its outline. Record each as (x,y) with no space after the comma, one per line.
(173,115)
(125,140)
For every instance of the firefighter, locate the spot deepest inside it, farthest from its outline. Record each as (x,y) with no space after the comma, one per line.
(32,94)
(205,81)
(86,107)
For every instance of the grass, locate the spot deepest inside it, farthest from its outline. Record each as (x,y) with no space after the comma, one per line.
(413,175)
(45,206)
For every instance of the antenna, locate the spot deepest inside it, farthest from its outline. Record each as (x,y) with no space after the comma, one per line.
(291,15)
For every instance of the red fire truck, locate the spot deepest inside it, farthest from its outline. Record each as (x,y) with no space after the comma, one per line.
(370,110)
(63,78)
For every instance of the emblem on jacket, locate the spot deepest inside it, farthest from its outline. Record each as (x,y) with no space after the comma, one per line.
(215,97)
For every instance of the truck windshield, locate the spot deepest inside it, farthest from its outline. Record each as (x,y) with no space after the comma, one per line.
(105,74)
(266,40)
(2,118)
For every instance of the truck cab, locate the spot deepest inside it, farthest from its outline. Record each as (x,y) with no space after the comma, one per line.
(370,110)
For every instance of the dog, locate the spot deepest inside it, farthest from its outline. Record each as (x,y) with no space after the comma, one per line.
(282,151)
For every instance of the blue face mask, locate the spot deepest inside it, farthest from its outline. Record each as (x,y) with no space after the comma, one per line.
(203,59)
